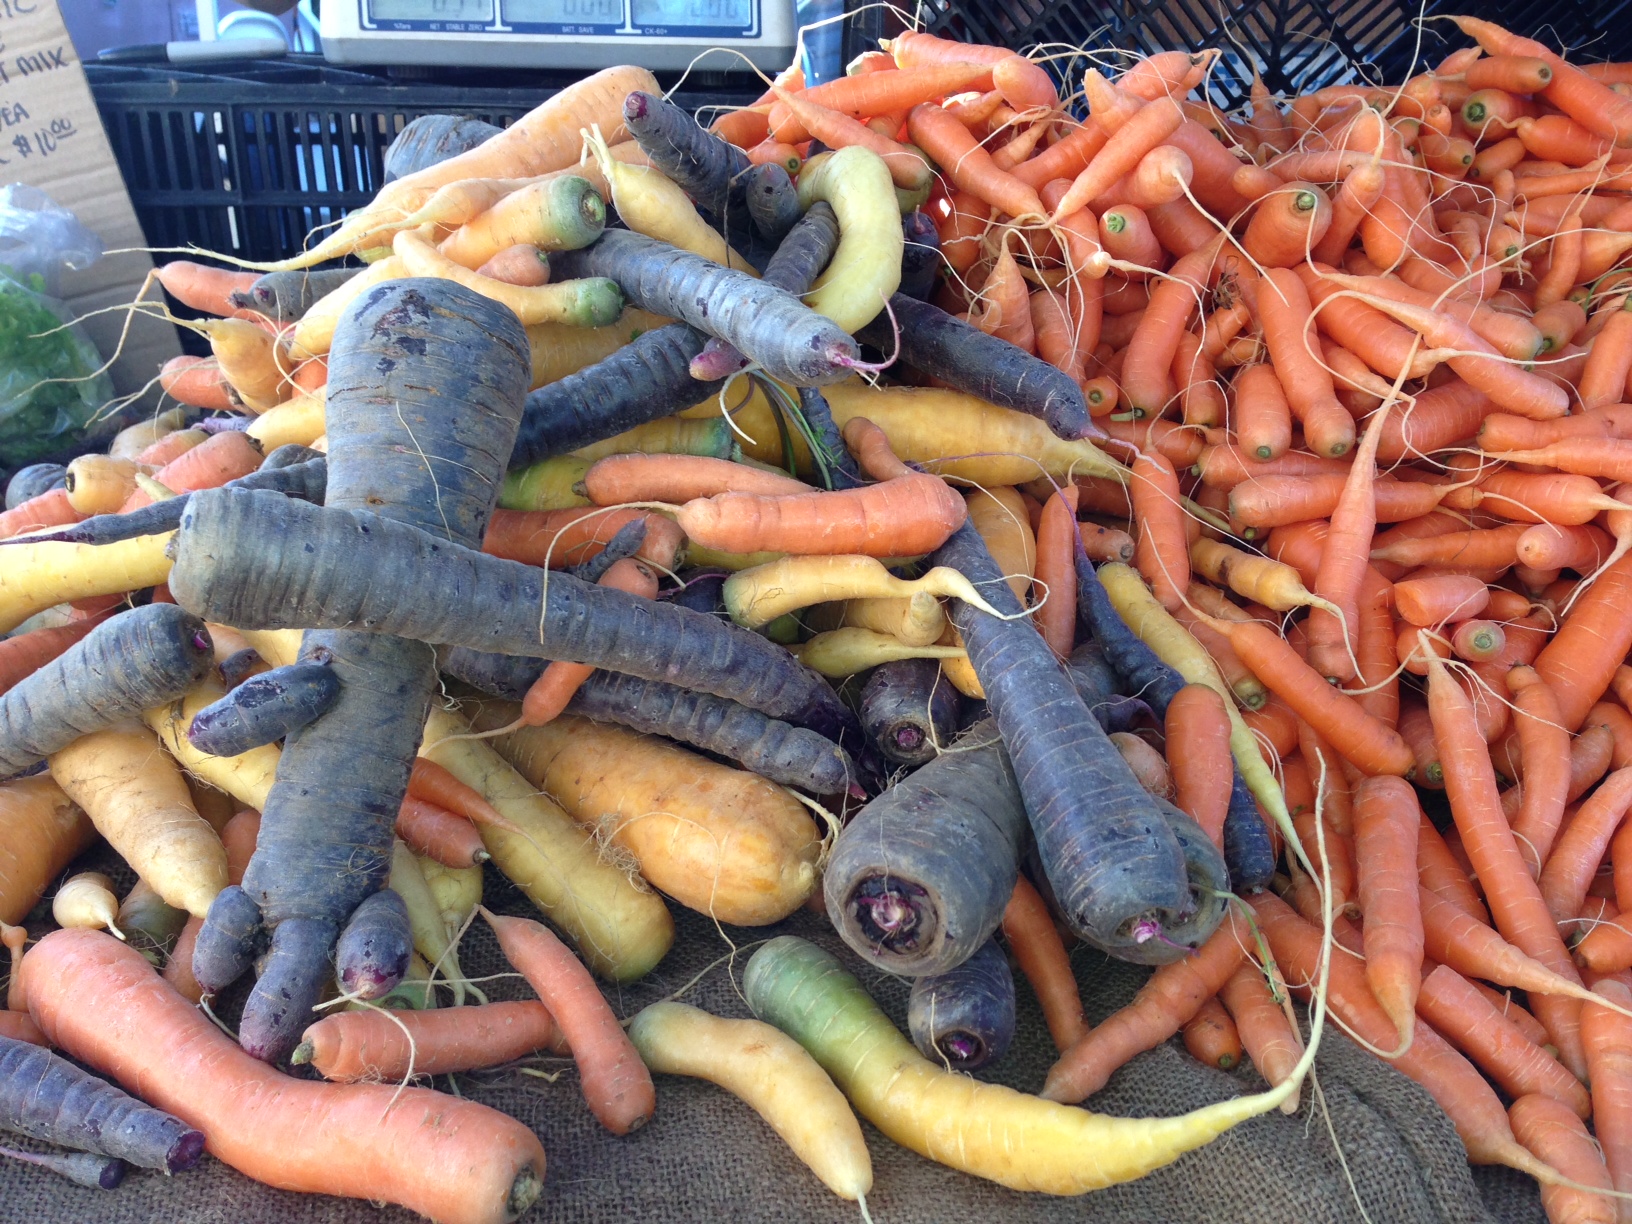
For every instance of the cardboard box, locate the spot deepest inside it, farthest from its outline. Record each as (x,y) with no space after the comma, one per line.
(51,137)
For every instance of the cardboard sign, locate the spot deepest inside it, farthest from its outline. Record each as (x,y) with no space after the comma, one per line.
(51,137)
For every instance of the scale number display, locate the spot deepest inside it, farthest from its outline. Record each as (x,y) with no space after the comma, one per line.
(665,16)
(563,16)
(454,15)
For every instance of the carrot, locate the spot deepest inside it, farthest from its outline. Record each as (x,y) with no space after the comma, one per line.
(1263,420)
(1056,571)
(1544,745)
(1147,368)
(1569,869)
(212,463)
(1556,1136)
(520,264)
(197,382)
(1469,1021)
(53,508)
(1284,311)
(450,1159)
(1371,745)
(906,516)
(1172,996)
(1582,548)
(1588,101)
(1149,127)
(1211,1037)
(1029,928)
(1496,548)
(616,1084)
(1455,938)
(1608,1038)
(561,538)
(1268,1036)
(23,654)
(1431,601)
(1005,304)
(1516,903)
(1056,334)
(1287,225)
(353,1046)
(968,165)
(1579,661)
(202,287)
(1333,627)
(1386,818)
(1198,754)
(1160,551)
(1450,1079)
(438,834)
(549,694)
(838,130)
(1125,233)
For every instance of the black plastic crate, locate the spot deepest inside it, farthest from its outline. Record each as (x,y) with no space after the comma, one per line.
(250,159)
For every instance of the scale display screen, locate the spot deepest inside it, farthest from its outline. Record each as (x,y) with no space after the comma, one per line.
(432,14)
(562,16)
(657,16)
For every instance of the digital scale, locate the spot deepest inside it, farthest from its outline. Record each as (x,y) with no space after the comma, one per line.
(662,34)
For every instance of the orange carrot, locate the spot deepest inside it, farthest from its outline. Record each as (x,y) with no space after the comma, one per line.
(1582,548)
(1516,903)
(872,93)
(548,696)
(1005,303)
(198,382)
(1431,601)
(1161,551)
(1469,1021)
(616,1084)
(1269,1038)
(1386,817)
(239,837)
(1056,334)
(1450,1079)
(438,834)
(907,516)
(1545,748)
(349,1046)
(968,165)
(1164,1004)
(1211,1036)
(1372,746)
(49,509)
(202,287)
(1198,756)
(1150,126)
(1056,571)
(171,447)
(521,264)
(1608,1038)
(178,970)
(837,130)
(559,538)
(453,1160)
(1496,548)
(1146,374)
(1574,860)
(1287,224)
(1029,928)
(1263,421)
(1582,656)
(431,783)
(22,654)
(1333,637)
(1453,937)
(209,465)
(1557,1137)
(1284,311)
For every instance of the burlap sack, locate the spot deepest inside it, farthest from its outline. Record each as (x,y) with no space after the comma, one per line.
(707,1157)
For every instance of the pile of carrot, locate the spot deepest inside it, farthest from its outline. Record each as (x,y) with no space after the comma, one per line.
(1242,491)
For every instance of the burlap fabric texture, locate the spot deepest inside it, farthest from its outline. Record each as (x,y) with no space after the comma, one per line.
(707,1158)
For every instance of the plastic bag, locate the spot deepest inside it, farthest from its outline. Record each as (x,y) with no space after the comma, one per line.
(49,390)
